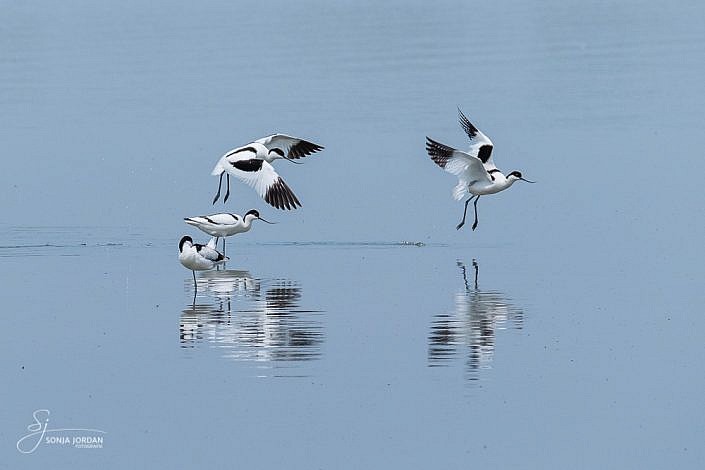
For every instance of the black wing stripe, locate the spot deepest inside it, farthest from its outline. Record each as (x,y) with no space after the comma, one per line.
(484,153)
(271,196)
(467,126)
(200,247)
(294,201)
(439,152)
(290,194)
(276,196)
(244,149)
(279,195)
(253,164)
(283,202)
(303,148)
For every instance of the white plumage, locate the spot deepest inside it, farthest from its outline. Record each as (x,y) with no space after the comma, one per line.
(225,224)
(251,164)
(198,257)
(475,169)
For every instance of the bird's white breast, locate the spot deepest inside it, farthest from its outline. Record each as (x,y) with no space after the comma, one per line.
(499,183)
(194,261)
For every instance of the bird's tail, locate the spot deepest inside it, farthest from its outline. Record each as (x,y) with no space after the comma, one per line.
(460,190)
(218,169)
(190,221)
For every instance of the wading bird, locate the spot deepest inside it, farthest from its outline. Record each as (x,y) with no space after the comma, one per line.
(225,224)
(251,164)
(475,169)
(199,257)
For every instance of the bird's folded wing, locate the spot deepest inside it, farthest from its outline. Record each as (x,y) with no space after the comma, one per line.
(196,221)
(209,252)
(221,219)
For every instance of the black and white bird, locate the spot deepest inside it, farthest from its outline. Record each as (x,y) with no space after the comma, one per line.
(252,164)
(475,169)
(225,224)
(199,257)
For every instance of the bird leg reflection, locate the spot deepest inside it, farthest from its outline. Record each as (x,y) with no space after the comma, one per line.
(465,276)
(474,263)
(470,329)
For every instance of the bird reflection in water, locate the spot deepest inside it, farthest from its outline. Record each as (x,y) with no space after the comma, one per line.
(253,319)
(470,330)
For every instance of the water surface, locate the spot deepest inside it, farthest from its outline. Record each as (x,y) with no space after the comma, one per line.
(355,327)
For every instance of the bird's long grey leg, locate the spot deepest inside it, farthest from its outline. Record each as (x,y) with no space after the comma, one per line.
(223,246)
(227,191)
(475,224)
(217,266)
(195,286)
(462,222)
(220,183)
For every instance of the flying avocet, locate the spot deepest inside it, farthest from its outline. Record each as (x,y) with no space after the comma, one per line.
(252,164)
(199,257)
(224,224)
(475,169)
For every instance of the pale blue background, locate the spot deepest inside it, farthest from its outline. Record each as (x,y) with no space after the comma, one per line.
(113,115)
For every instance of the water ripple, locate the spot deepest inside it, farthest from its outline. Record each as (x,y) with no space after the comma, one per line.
(470,330)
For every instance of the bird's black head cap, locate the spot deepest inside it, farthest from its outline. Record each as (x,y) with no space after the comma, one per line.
(184,239)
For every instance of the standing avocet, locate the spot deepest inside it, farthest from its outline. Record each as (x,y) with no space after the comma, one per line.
(224,224)
(475,169)
(251,164)
(199,257)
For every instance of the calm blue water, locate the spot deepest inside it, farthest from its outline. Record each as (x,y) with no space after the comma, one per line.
(362,330)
